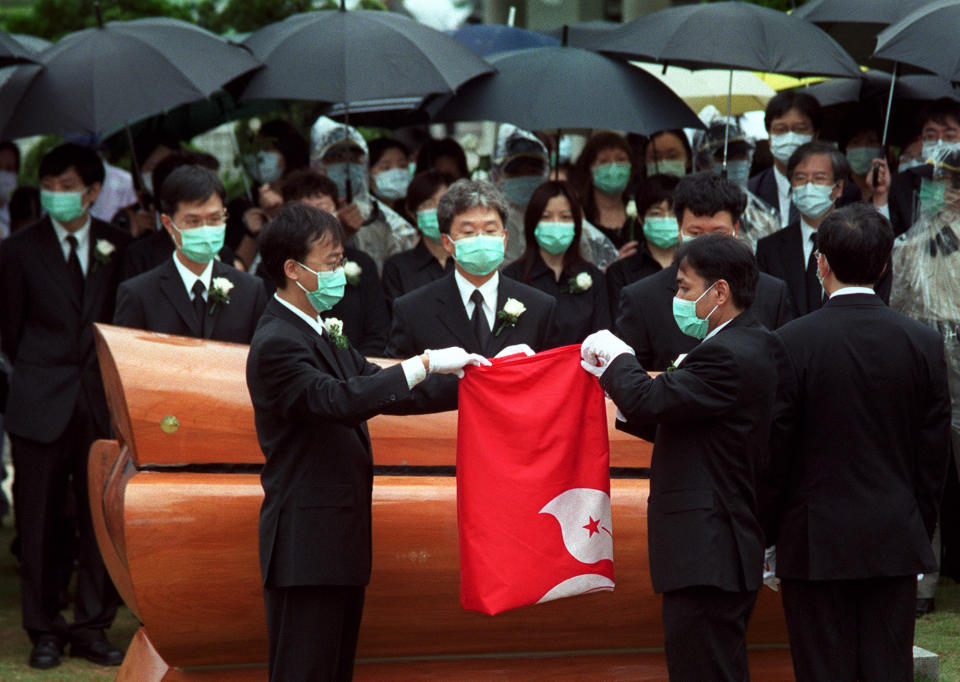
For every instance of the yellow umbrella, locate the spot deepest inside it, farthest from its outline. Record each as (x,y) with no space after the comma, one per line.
(704,87)
(780,82)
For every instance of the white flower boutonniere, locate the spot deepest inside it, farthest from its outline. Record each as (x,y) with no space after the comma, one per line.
(631,209)
(580,283)
(676,363)
(219,292)
(103,252)
(334,328)
(352,271)
(509,314)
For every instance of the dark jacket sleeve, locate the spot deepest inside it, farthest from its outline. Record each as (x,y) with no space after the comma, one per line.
(401,343)
(11,300)
(601,304)
(933,446)
(784,309)
(546,326)
(391,281)
(129,311)
(631,326)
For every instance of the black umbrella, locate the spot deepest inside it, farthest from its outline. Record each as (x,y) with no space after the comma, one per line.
(925,38)
(96,79)
(32,43)
(14,80)
(584,33)
(12,51)
(566,87)
(487,39)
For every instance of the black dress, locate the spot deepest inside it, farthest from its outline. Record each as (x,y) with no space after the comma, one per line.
(628,270)
(578,314)
(403,272)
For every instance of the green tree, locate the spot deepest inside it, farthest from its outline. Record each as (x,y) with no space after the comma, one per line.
(52,19)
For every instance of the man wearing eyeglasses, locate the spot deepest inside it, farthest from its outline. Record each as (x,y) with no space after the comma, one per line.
(192,293)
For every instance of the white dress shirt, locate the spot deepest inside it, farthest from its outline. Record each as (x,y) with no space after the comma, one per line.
(846,291)
(806,231)
(83,242)
(783,194)
(189,278)
(716,330)
(488,290)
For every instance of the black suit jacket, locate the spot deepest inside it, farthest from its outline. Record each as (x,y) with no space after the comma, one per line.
(152,251)
(311,401)
(47,329)
(433,316)
(158,302)
(626,271)
(645,320)
(781,255)
(764,185)
(712,418)
(403,272)
(903,192)
(860,443)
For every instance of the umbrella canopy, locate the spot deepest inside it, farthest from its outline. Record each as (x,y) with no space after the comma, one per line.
(12,51)
(337,56)
(710,86)
(566,87)
(729,35)
(32,43)
(484,39)
(14,80)
(925,38)
(102,77)
(855,23)
(584,33)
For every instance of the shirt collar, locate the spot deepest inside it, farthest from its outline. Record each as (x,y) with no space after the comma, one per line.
(846,291)
(717,329)
(189,278)
(63,233)
(806,230)
(488,289)
(783,182)
(314,322)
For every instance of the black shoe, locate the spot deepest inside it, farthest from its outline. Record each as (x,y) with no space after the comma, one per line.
(46,654)
(925,606)
(99,651)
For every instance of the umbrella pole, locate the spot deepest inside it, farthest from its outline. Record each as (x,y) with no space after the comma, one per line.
(346,134)
(886,121)
(726,125)
(236,153)
(136,165)
(556,154)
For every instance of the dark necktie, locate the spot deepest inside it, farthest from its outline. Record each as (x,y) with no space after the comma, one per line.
(814,290)
(73,266)
(199,305)
(480,326)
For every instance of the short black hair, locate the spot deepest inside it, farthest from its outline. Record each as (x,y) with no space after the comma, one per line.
(61,159)
(856,241)
(436,149)
(174,160)
(803,102)
(188,184)
(706,194)
(718,256)
(653,190)
(289,141)
(307,182)
(465,194)
(11,146)
(939,111)
(376,148)
(423,186)
(838,160)
(291,235)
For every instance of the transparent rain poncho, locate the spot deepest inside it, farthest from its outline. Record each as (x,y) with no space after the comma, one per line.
(384,231)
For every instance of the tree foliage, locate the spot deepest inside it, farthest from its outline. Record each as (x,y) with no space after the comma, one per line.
(51,19)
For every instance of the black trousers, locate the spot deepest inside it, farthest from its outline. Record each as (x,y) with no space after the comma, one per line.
(851,629)
(705,630)
(313,631)
(43,473)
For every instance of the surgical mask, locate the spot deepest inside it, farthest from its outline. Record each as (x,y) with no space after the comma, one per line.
(813,201)
(861,158)
(611,178)
(8,183)
(661,232)
(338,172)
(554,238)
(935,149)
(737,171)
(330,288)
(392,184)
(667,167)
(201,244)
(907,164)
(518,190)
(931,196)
(62,206)
(428,224)
(784,145)
(479,255)
(268,166)
(685,315)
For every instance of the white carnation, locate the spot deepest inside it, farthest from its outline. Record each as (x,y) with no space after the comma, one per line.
(222,284)
(584,281)
(105,247)
(631,209)
(351,269)
(469,142)
(514,308)
(333,325)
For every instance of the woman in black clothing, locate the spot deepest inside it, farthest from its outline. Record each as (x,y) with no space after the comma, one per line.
(606,166)
(428,260)
(553,264)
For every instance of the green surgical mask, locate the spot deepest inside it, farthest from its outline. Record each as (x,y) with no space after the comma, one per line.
(931,196)
(554,238)
(329,291)
(479,255)
(201,244)
(661,232)
(685,315)
(666,167)
(861,158)
(62,206)
(611,178)
(428,224)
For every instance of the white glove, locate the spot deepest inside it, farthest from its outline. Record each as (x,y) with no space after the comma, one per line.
(515,349)
(452,360)
(600,349)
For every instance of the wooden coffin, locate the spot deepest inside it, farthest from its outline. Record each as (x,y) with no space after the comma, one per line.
(176,499)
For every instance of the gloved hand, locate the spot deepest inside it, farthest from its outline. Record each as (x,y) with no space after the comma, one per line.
(452,360)
(599,349)
(514,350)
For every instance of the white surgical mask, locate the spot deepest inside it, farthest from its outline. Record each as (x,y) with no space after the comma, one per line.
(813,201)
(8,183)
(784,145)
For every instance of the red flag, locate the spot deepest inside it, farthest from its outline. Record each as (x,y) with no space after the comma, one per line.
(533,482)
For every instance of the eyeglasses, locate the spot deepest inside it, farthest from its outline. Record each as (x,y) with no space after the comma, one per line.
(326,267)
(192,220)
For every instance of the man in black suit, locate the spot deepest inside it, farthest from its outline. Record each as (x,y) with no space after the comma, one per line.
(192,293)
(817,173)
(475,307)
(860,448)
(704,203)
(792,119)
(57,277)
(311,396)
(709,420)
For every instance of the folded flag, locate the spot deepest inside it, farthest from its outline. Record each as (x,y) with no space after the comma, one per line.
(533,482)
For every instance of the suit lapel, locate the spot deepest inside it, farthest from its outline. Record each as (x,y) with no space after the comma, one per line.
(98,274)
(320,342)
(453,315)
(497,343)
(52,256)
(171,284)
(219,270)
(791,256)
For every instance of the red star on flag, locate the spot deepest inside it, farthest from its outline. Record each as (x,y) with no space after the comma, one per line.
(592,526)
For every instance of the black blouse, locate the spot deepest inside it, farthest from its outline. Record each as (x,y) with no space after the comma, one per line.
(628,270)
(403,272)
